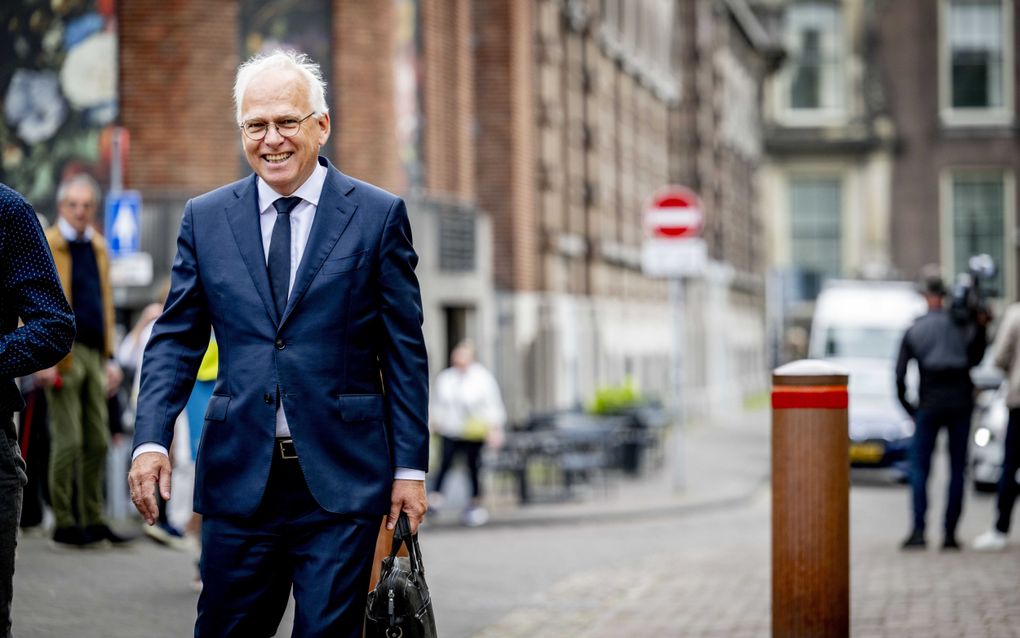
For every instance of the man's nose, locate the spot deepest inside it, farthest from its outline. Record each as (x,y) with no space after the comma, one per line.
(273,135)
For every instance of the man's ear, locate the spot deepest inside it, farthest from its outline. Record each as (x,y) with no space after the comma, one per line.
(324,128)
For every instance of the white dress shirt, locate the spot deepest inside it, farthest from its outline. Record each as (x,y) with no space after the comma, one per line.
(70,234)
(301,218)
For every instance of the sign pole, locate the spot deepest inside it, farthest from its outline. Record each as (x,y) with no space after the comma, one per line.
(676,295)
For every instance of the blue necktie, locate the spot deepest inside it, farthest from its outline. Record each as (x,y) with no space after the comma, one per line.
(279,252)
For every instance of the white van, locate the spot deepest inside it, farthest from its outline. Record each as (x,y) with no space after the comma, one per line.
(859,325)
(863,319)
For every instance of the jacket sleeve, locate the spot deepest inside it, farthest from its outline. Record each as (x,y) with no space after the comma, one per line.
(175,349)
(29,281)
(1004,348)
(902,361)
(403,359)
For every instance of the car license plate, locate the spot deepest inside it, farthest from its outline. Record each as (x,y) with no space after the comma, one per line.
(868,453)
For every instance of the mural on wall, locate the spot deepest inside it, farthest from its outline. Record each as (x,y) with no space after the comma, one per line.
(58,93)
(302,25)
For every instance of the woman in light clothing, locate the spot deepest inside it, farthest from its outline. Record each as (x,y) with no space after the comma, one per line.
(467,412)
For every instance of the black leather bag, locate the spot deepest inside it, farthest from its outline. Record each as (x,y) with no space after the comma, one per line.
(400,605)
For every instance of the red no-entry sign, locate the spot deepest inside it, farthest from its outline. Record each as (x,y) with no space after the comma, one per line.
(673,213)
(672,222)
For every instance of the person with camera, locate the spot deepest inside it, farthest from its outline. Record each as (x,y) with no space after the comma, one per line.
(946,345)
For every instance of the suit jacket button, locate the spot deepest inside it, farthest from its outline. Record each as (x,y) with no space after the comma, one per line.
(280,345)
(268,398)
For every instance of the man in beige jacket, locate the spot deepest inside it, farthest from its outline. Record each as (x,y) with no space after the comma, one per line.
(1006,352)
(78,386)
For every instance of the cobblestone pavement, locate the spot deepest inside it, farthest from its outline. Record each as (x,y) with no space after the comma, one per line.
(639,561)
(714,580)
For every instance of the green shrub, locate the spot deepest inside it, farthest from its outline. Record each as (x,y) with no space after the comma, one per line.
(610,399)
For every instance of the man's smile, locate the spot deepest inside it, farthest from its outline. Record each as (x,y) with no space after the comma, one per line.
(275,158)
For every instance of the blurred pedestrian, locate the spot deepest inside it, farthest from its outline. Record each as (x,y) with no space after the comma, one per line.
(468,413)
(1006,355)
(129,356)
(181,512)
(307,278)
(79,386)
(945,351)
(29,292)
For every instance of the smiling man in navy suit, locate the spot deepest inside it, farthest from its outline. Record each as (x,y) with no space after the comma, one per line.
(317,425)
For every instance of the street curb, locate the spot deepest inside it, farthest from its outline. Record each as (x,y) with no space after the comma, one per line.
(649,512)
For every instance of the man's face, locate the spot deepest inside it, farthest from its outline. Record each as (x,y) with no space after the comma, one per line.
(78,208)
(284,163)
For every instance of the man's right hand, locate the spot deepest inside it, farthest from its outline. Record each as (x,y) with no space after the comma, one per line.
(149,470)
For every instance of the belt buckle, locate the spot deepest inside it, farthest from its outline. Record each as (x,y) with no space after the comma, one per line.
(284,445)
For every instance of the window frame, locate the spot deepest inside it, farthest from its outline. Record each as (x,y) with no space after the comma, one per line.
(840,179)
(786,113)
(947,223)
(975,116)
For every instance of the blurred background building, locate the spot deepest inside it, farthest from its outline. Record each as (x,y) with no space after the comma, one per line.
(891,137)
(826,139)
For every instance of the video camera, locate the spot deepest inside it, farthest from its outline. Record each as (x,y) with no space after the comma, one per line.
(968,297)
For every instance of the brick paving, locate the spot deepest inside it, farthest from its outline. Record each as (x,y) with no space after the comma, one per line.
(641,560)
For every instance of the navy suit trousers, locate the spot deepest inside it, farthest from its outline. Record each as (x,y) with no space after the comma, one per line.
(249,565)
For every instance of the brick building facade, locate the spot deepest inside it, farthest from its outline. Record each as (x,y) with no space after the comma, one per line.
(597,105)
(401,97)
(527,138)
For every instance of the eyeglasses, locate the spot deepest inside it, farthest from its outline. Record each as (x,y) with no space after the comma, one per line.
(256,130)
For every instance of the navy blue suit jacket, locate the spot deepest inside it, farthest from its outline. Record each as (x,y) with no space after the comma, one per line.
(347,354)
(30,291)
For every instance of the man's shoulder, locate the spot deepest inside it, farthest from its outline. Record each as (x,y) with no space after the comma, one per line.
(11,200)
(53,235)
(223,194)
(365,191)
(13,204)
(1011,317)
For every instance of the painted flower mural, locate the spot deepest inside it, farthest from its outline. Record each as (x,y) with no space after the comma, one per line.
(34,106)
(58,86)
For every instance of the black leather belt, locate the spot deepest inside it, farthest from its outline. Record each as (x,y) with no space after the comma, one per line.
(285,449)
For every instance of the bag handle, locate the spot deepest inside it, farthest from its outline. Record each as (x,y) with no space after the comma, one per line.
(402,535)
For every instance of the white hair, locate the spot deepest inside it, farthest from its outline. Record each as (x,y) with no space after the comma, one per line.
(80,179)
(282,60)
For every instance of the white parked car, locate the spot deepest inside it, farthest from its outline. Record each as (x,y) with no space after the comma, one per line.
(989,432)
(859,325)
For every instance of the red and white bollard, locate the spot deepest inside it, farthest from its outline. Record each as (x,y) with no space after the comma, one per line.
(810,501)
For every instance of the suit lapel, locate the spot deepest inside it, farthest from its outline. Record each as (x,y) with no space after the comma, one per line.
(243,215)
(333,214)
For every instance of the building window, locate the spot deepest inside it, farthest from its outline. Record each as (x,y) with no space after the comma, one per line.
(977,61)
(978,208)
(813,78)
(815,228)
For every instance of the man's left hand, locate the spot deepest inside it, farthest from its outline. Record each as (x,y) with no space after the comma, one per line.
(114,376)
(407,496)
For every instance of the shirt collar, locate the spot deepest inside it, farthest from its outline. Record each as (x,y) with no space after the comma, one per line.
(70,234)
(309,191)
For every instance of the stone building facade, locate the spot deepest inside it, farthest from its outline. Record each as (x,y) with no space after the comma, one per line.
(891,135)
(611,101)
(401,95)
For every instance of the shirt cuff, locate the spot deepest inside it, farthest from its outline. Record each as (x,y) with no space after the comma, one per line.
(407,474)
(148,447)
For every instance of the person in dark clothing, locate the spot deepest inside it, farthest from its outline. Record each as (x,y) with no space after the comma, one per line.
(945,351)
(34,435)
(29,291)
